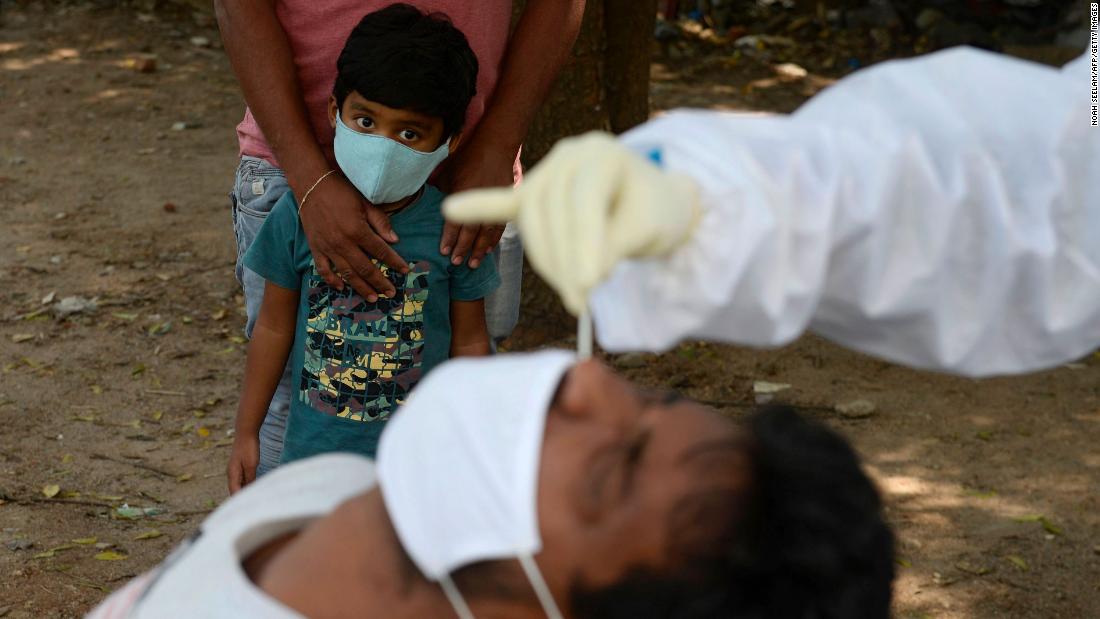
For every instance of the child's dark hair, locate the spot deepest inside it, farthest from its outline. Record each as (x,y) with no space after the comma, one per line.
(409,60)
(806,540)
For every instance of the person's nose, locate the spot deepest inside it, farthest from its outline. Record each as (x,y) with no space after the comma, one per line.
(608,399)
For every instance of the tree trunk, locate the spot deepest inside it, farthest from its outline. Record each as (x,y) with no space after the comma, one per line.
(628,28)
(604,86)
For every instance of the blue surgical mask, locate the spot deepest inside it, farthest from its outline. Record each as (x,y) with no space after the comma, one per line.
(382,169)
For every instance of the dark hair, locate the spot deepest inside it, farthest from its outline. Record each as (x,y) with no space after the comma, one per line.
(409,60)
(805,540)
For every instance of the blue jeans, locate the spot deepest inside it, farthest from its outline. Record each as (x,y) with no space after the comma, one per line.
(257,188)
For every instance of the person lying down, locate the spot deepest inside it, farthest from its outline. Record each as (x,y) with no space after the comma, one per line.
(530,486)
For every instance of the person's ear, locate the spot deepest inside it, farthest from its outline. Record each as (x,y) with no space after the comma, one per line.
(456,139)
(333,110)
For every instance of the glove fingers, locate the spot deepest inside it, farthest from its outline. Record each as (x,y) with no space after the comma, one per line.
(595,197)
(494,205)
(546,222)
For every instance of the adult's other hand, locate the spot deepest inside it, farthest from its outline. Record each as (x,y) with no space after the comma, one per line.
(474,167)
(344,233)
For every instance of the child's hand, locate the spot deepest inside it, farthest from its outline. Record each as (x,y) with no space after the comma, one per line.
(242,462)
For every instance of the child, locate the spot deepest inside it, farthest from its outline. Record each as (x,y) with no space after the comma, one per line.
(404,82)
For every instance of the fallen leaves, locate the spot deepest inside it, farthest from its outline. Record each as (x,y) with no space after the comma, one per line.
(150,534)
(22,337)
(46,554)
(1018,562)
(51,490)
(973,568)
(856,409)
(1043,521)
(110,555)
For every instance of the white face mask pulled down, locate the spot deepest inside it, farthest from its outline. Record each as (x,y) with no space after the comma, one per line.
(458,466)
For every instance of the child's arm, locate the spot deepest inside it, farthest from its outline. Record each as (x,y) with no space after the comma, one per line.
(469,335)
(272,337)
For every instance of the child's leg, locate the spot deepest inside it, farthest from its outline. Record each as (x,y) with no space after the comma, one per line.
(502,306)
(259,185)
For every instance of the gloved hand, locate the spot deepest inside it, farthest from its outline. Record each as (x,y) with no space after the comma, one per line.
(587,205)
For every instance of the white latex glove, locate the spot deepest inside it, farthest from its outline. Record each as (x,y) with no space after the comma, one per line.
(589,204)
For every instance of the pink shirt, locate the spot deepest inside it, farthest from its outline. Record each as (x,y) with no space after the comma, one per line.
(317,30)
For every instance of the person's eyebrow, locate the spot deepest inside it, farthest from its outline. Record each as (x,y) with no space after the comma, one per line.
(412,122)
(729,444)
(362,107)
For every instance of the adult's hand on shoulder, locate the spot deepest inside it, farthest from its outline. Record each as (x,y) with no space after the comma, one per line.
(588,205)
(344,233)
(474,167)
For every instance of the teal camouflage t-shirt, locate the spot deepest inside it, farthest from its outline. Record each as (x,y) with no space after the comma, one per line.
(355,362)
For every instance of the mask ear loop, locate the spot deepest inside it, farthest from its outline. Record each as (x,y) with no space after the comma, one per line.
(454,596)
(534,576)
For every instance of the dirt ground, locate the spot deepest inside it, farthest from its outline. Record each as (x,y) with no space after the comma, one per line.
(993,486)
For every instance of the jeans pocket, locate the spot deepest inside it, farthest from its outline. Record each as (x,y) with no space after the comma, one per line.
(259,185)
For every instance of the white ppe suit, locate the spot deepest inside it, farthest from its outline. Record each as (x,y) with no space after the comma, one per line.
(941,212)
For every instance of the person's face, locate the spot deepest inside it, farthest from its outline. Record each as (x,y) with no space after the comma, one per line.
(617,464)
(418,131)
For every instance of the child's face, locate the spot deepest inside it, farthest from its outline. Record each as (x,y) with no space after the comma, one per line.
(413,129)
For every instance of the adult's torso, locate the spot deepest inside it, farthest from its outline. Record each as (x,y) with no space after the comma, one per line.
(317,30)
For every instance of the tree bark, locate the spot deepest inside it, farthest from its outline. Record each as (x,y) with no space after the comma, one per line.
(604,86)
(628,29)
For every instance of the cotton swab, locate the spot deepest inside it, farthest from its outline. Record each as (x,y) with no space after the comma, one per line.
(584,336)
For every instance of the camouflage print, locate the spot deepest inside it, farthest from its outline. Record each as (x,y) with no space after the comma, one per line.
(361,359)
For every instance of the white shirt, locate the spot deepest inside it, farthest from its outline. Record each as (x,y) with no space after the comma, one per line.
(940,212)
(203,578)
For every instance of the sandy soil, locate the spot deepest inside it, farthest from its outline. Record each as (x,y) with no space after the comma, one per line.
(993,486)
